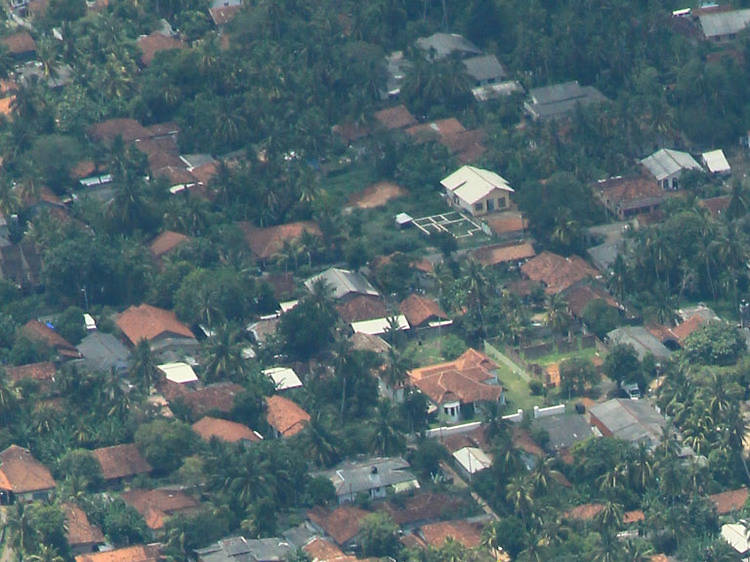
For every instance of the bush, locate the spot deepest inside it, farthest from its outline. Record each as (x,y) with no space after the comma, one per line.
(165,443)
(536,388)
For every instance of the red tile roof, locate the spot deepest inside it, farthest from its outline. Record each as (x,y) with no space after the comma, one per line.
(285,416)
(149,322)
(155,42)
(78,529)
(716,205)
(423,507)
(522,440)
(419,309)
(350,132)
(166,242)
(217,397)
(362,307)
(137,553)
(20,472)
(629,193)
(36,331)
(503,253)
(20,43)
(395,117)
(341,524)
(107,131)
(462,379)
(556,272)
(581,295)
(584,512)
(322,550)
(683,330)
(729,501)
(267,242)
(205,172)
(121,461)
(466,533)
(633,516)
(43,372)
(467,145)
(157,505)
(221,15)
(208,427)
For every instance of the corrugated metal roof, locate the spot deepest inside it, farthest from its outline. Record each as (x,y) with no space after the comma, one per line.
(630,420)
(716,162)
(485,67)
(719,24)
(666,162)
(343,282)
(472,184)
(378,326)
(445,44)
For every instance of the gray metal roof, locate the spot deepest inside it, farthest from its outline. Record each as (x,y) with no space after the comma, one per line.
(343,282)
(604,255)
(630,420)
(240,549)
(564,431)
(559,99)
(355,477)
(485,67)
(102,352)
(643,341)
(442,45)
(720,24)
(666,162)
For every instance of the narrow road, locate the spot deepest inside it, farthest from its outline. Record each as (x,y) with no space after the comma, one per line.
(493,352)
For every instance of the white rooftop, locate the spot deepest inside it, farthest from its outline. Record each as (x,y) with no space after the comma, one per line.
(720,24)
(286,306)
(284,378)
(472,459)
(665,162)
(472,184)
(379,326)
(716,162)
(736,535)
(178,372)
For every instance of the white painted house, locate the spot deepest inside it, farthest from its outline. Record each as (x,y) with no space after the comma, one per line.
(477,191)
(667,166)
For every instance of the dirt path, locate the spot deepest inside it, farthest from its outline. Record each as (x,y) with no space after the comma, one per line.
(376,195)
(494,353)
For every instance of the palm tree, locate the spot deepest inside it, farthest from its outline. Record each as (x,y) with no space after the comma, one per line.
(640,469)
(143,367)
(397,366)
(518,494)
(739,204)
(737,428)
(224,355)
(22,536)
(610,517)
(542,475)
(45,553)
(558,318)
(7,399)
(477,288)
(320,445)
(386,439)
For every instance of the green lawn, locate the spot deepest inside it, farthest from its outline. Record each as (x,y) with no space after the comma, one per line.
(517,390)
(588,353)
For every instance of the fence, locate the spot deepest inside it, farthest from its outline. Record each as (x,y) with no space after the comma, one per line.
(549,411)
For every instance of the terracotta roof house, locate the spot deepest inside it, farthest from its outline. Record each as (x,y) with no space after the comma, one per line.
(284,416)
(136,553)
(322,550)
(729,501)
(217,397)
(159,327)
(341,524)
(361,307)
(224,11)
(422,312)
(368,342)
(39,332)
(716,205)
(504,254)
(157,505)
(224,430)
(107,131)
(462,531)
(422,508)
(21,43)
(585,512)
(155,42)
(43,372)
(461,384)
(22,477)
(82,535)
(121,461)
(581,294)
(267,242)
(627,197)
(395,118)
(556,272)
(466,145)
(166,242)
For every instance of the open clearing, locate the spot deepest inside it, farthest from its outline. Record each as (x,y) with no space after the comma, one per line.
(376,195)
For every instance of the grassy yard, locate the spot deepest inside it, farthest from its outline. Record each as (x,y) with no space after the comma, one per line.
(517,390)
(588,353)
(433,350)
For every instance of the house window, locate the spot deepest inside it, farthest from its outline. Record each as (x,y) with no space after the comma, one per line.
(490,205)
(501,202)
(479,207)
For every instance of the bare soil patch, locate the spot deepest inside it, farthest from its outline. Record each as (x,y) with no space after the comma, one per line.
(376,195)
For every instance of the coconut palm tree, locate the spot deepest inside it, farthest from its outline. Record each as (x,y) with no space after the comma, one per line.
(21,533)
(542,475)
(45,553)
(386,439)
(319,443)
(143,366)
(224,355)
(518,494)
(737,428)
